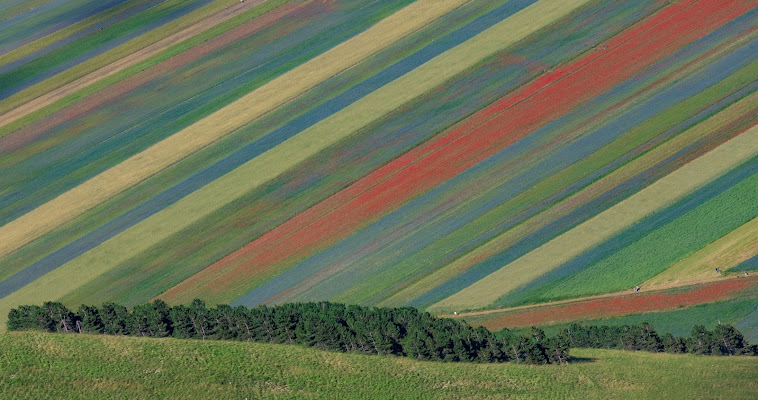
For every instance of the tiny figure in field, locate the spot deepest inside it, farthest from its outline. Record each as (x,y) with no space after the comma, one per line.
(745,273)
(718,271)
(455,312)
(636,288)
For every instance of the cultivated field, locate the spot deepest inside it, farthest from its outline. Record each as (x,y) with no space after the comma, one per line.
(449,155)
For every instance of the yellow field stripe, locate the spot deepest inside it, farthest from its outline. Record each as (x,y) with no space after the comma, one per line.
(260,170)
(608,223)
(617,177)
(206,131)
(725,253)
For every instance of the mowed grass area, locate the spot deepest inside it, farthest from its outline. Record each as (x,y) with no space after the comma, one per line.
(40,365)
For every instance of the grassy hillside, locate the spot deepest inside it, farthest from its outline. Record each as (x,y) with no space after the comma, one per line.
(50,365)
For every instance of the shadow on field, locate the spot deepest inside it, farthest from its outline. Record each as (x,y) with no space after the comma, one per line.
(578,360)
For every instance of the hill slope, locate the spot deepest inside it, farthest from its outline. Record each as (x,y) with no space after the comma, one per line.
(443,154)
(134,367)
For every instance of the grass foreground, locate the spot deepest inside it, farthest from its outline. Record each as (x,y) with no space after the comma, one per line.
(40,365)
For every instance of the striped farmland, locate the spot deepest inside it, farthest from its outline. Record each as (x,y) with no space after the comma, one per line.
(450,155)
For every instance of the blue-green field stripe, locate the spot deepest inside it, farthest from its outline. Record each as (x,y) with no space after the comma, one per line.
(565,157)
(15,81)
(51,173)
(252,150)
(633,233)
(78,35)
(751,264)
(20,29)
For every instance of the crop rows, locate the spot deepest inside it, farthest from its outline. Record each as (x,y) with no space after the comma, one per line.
(447,155)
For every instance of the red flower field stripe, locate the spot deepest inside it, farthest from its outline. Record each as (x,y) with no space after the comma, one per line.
(475,140)
(614,305)
(463,128)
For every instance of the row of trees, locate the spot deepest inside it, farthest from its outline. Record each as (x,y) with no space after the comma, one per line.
(723,340)
(330,326)
(399,331)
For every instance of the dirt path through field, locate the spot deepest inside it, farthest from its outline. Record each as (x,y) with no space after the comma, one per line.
(132,59)
(611,304)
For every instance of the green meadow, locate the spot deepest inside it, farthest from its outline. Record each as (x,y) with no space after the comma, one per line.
(37,365)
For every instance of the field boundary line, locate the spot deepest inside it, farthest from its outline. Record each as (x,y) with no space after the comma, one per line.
(125,62)
(167,152)
(611,221)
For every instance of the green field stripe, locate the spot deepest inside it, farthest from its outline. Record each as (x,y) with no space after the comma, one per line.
(724,253)
(625,143)
(678,322)
(24,6)
(112,55)
(164,55)
(260,170)
(57,238)
(628,141)
(612,221)
(165,153)
(47,40)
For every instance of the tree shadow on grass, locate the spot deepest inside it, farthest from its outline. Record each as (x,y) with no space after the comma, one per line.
(578,360)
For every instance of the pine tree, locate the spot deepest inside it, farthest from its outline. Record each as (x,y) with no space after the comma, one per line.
(28,317)
(61,319)
(116,319)
(557,350)
(152,319)
(89,320)
(200,319)
(182,323)
(727,340)
(649,340)
(224,324)
(675,345)
(700,340)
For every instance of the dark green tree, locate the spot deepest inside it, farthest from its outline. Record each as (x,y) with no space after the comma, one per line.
(649,339)
(674,345)
(61,319)
(116,319)
(151,319)
(557,349)
(727,340)
(29,317)
(89,321)
(700,341)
